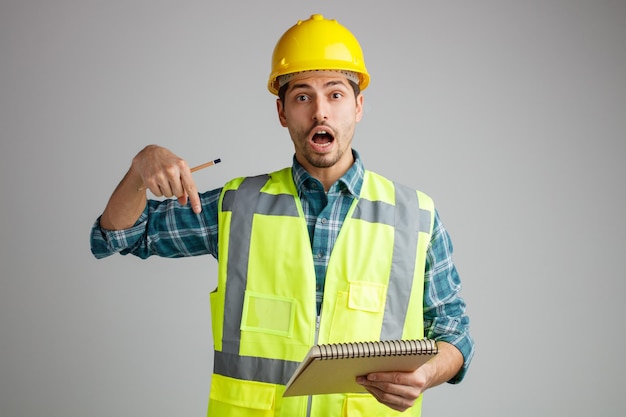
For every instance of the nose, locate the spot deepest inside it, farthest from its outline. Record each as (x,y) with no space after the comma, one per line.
(320,111)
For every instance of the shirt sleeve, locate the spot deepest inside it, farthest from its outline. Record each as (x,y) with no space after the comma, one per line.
(445,317)
(165,228)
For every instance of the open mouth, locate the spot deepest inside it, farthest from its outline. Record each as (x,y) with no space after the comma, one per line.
(322,138)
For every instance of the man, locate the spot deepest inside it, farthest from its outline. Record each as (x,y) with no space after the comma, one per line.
(321,252)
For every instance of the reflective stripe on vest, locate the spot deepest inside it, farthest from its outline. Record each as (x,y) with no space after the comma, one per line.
(244,203)
(407,219)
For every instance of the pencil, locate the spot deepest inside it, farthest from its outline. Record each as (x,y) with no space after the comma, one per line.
(194,169)
(206,165)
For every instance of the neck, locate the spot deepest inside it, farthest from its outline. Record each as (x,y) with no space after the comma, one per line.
(328,176)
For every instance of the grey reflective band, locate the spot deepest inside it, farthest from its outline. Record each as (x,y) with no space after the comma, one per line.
(405,216)
(269,204)
(407,224)
(424,222)
(243,205)
(385,213)
(251,368)
(402,217)
(277,205)
(374,212)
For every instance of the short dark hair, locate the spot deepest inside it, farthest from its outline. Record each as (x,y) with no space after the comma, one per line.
(283,90)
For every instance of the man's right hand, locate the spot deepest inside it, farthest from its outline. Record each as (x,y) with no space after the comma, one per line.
(154,168)
(166,175)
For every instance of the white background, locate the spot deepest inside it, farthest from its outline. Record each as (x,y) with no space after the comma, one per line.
(510,114)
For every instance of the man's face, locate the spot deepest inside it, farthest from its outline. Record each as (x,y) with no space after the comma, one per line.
(321,112)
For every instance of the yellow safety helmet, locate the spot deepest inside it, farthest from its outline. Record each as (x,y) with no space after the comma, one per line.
(317,44)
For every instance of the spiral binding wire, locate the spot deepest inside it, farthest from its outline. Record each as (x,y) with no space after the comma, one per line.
(378,348)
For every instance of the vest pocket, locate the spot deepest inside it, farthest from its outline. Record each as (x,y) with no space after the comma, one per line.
(238,398)
(358,313)
(269,314)
(367,296)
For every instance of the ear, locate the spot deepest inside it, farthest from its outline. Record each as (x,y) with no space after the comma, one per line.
(359,108)
(280,108)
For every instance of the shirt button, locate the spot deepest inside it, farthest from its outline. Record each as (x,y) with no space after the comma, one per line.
(323,220)
(320,255)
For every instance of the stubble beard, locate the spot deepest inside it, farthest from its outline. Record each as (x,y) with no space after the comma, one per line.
(323,161)
(326,160)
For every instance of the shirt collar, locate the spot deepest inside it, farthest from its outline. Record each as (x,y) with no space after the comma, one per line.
(351,181)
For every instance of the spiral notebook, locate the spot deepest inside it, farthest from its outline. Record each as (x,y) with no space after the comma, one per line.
(333,368)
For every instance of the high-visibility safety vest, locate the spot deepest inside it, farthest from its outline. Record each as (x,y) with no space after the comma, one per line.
(264,310)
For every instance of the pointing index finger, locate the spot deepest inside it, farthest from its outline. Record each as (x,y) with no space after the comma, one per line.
(190,186)
(194,169)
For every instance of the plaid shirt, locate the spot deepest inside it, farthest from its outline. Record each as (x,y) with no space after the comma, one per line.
(170,230)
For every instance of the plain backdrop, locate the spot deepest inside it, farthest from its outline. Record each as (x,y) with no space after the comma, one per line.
(510,114)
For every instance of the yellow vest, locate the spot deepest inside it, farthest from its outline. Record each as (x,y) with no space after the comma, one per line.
(264,310)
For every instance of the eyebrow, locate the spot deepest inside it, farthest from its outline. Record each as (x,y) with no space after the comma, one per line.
(328,84)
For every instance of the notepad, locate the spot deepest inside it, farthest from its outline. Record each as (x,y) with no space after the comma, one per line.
(333,368)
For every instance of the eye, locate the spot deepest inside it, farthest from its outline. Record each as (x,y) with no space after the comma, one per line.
(336,95)
(302,97)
